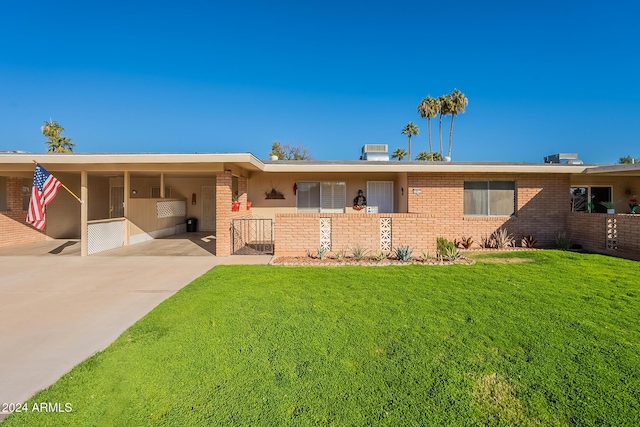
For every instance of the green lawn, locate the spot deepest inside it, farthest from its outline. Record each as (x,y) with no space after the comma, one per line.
(551,341)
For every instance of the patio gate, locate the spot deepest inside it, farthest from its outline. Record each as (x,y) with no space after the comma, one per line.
(251,236)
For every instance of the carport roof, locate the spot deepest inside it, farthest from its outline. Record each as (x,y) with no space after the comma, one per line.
(212,162)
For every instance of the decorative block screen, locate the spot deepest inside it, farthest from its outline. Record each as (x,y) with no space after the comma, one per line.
(385,234)
(171,208)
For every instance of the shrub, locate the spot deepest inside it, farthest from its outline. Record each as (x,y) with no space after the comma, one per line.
(403,253)
(465,242)
(502,238)
(340,255)
(379,256)
(529,241)
(447,249)
(322,252)
(487,242)
(359,252)
(563,242)
(424,255)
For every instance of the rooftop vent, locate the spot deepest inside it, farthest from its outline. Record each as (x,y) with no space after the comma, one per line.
(564,158)
(376,152)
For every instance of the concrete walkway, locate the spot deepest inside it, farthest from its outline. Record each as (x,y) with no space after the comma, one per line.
(55,311)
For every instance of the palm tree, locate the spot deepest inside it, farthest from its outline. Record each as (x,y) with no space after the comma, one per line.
(446,108)
(409,130)
(424,156)
(399,154)
(56,143)
(457,103)
(428,109)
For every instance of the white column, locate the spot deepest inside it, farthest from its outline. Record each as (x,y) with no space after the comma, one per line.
(84,231)
(127,196)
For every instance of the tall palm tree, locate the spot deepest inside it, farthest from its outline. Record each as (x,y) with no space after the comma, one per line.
(445,110)
(56,143)
(428,109)
(399,154)
(409,130)
(457,103)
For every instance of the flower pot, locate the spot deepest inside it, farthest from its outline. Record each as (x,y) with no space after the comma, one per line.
(235,206)
(611,211)
(248,205)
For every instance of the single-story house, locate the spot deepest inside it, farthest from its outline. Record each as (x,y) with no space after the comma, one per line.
(291,207)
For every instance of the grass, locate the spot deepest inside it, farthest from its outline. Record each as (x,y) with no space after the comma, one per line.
(550,341)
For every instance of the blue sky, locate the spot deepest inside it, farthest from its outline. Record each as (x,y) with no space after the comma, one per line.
(209,76)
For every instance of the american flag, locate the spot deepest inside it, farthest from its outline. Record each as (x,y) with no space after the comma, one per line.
(45,188)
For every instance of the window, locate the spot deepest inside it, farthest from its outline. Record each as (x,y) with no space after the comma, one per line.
(155,192)
(26,193)
(587,199)
(487,198)
(380,195)
(312,197)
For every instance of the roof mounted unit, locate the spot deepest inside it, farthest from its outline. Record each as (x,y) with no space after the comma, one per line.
(565,158)
(377,152)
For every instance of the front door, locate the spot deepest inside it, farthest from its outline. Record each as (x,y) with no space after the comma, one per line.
(208,221)
(116,202)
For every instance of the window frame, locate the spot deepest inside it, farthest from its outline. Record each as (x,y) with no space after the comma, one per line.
(488,198)
(597,207)
(341,202)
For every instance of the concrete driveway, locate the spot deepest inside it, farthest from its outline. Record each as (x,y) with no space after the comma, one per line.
(55,311)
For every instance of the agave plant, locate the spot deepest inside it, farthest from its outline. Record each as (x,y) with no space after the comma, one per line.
(529,241)
(502,238)
(403,253)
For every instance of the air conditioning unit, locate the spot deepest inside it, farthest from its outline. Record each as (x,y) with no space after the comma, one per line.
(565,158)
(375,152)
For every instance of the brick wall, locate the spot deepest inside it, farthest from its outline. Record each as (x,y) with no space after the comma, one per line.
(13,228)
(436,209)
(542,201)
(590,231)
(295,234)
(224,214)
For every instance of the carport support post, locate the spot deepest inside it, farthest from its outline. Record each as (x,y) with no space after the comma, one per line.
(127,195)
(162,185)
(84,230)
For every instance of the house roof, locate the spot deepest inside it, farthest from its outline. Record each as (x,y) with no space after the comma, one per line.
(212,162)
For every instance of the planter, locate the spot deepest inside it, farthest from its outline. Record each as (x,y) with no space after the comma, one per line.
(248,205)
(235,206)
(611,211)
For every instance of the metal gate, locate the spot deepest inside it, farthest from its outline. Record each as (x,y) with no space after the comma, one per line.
(251,236)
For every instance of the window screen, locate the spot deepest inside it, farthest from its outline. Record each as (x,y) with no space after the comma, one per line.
(380,194)
(489,198)
(312,197)
(308,197)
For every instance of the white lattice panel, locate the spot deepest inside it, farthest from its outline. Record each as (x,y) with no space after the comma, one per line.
(171,208)
(325,233)
(103,236)
(385,234)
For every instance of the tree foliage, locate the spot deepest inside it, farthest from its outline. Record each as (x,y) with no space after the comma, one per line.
(55,142)
(290,152)
(410,129)
(446,105)
(429,108)
(425,156)
(399,153)
(627,160)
